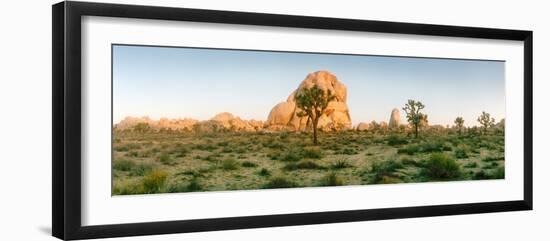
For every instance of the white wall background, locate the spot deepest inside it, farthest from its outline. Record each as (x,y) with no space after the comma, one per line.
(25,120)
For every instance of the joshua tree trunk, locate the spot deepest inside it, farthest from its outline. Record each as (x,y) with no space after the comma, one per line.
(315,121)
(415,131)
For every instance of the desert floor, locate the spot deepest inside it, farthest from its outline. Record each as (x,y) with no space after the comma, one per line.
(161,162)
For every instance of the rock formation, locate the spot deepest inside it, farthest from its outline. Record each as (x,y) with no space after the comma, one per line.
(163,123)
(362,126)
(284,116)
(221,122)
(395,119)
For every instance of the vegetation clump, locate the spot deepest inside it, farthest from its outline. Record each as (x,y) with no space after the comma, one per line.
(441,166)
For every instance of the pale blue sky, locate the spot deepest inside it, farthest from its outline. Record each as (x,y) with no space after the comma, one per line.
(199,83)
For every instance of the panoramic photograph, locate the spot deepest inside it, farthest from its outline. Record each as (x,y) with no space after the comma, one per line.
(201,119)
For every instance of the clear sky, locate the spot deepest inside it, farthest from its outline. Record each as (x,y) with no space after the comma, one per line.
(199,83)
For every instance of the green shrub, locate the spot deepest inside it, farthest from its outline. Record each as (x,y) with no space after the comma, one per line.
(123,165)
(332,179)
(127,147)
(409,150)
(127,188)
(165,159)
(396,140)
(192,186)
(492,159)
(302,165)
(405,160)
(249,164)
(481,175)
(264,172)
(212,158)
(155,181)
(132,154)
(441,166)
(460,153)
(312,152)
(382,170)
(346,151)
(230,164)
(280,182)
(428,147)
(340,164)
(141,170)
(206,147)
(470,165)
(498,173)
(290,156)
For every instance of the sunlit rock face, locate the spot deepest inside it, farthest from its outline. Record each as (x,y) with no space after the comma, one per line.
(284,116)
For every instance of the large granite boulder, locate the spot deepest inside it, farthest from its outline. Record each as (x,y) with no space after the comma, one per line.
(336,117)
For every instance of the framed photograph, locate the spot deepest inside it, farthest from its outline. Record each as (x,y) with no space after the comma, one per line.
(169,120)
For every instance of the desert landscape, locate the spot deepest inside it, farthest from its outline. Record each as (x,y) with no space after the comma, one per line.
(306,140)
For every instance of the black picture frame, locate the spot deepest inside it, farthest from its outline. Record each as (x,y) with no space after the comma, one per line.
(66,122)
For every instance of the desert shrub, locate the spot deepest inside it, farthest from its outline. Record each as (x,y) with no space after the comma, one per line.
(165,159)
(213,158)
(123,165)
(386,167)
(141,170)
(483,175)
(441,166)
(332,179)
(227,149)
(492,159)
(280,182)
(395,140)
(302,165)
(427,147)
(405,160)
(379,171)
(409,150)
(223,143)
(460,153)
(249,164)
(192,186)
(127,147)
(490,165)
(127,188)
(154,182)
(498,173)
(132,154)
(206,147)
(264,172)
(230,164)
(155,150)
(290,156)
(312,152)
(346,151)
(340,164)
(274,145)
(470,165)
(180,151)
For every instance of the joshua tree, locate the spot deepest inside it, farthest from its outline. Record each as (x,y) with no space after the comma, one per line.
(486,121)
(313,102)
(414,116)
(459,122)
